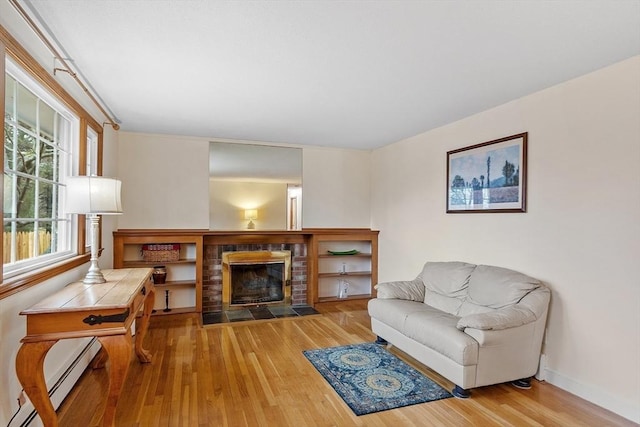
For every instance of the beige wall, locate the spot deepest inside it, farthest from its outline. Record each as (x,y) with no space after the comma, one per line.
(581,233)
(336,188)
(165,181)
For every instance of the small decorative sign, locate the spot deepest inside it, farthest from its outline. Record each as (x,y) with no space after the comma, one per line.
(488,177)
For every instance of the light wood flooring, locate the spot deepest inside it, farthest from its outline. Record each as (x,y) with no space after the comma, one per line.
(254,374)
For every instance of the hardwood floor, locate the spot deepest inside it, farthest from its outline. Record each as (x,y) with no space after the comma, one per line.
(254,374)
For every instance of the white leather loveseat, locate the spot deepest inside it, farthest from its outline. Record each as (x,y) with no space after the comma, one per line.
(475,325)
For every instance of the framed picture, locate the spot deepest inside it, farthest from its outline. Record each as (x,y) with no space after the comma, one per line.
(488,177)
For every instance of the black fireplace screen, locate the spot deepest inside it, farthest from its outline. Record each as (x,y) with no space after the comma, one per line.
(257,282)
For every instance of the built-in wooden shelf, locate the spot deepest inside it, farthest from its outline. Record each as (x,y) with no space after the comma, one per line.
(345,256)
(350,297)
(176,284)
(345,275)
(187,271)
(318,240)
(327,270)
(133,264)
(179,310)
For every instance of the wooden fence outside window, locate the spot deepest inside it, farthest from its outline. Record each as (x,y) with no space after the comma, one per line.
(25,245)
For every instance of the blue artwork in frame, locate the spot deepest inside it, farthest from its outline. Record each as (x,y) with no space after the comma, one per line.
(488,177)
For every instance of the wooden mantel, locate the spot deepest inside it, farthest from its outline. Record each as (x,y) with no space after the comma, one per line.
(242,236)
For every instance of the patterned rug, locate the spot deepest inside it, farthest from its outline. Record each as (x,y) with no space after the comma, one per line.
(370,379)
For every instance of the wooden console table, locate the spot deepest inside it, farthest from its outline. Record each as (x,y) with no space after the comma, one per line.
(105,311)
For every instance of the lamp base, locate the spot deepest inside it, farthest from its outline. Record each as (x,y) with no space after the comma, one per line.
(94,277)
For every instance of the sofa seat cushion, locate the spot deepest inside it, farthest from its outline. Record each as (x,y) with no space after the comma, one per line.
(394,312)
(428,326)
(437,330)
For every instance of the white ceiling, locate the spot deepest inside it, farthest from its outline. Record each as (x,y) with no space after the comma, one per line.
(359,74)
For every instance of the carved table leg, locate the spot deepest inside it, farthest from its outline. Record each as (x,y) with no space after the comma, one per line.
(30,371)
(118,347)
(100,360)
(144,356)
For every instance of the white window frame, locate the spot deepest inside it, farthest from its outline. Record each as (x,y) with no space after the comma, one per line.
(92,152)
(91,169)
(68,237)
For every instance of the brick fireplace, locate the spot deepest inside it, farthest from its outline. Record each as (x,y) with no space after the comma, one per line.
(212,284)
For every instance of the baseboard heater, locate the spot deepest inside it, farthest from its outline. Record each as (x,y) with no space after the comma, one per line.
(71,371)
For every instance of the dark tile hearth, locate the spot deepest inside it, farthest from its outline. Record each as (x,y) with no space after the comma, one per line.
(305,310)
(258,313)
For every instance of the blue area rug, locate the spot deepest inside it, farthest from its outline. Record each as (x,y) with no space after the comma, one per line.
(370,379)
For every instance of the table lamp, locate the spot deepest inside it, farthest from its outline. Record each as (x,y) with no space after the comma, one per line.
(93,196)
(251,214)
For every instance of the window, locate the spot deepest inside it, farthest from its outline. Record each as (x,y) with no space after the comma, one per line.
(39,135)
(92,153)
(91,169)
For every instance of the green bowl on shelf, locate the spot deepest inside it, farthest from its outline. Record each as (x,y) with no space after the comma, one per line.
(351,252)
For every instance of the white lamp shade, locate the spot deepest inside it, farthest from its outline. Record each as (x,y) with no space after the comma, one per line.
(250,214)
(93,195)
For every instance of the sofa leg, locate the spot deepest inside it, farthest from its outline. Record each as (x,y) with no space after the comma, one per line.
(460,393)
(523,383)
(381,341)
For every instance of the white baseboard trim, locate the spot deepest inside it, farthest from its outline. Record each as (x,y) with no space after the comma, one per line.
(626,409)
(542,368)
(66,379)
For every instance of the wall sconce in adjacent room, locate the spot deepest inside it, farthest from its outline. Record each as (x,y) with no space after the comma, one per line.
(251,214)
(93,196)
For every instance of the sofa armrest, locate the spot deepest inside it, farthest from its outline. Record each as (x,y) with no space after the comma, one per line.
(497,338)
(505,318)
(407,290)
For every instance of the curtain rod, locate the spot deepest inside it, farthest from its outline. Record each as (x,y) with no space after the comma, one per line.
(114,122)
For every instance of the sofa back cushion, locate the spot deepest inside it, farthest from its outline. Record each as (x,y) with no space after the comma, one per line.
(491,288)
(446,284)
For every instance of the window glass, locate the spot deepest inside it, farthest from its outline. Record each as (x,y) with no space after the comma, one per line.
(38,139)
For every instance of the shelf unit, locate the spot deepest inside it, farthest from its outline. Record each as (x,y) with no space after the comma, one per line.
(184,276)
(327,271)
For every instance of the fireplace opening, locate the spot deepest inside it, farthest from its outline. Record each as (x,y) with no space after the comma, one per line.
(255,277)
(257,283)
